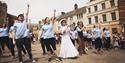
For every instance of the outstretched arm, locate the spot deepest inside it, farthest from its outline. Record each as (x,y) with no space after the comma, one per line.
(53,20)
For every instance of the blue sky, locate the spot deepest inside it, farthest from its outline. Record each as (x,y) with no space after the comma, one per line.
(42,8)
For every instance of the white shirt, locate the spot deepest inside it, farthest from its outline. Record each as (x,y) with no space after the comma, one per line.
(3,32)
(107,33)
(73,34)
(47,31)
(97,32)
(10,32)
(20,29)
(27,33)
(89,35)
(78,29)
(85,34)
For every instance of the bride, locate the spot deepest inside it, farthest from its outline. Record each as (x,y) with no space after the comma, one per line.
(67,50)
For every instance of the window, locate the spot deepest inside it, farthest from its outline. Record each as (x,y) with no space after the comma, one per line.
(113,16)
(89,20)
(96,19)
(79,16)
(103,5)
(91,0)
(114,30)
(104,17)
(95,7)
(71,18)
(112,3)
(89,10)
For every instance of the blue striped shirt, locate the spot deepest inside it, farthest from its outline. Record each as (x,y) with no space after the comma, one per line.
(47,31)
(11,29)
(27,33)
(20,29)
(97,32)
(3,32)
(107,33)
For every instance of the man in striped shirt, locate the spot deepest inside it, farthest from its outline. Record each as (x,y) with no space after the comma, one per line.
(20,29)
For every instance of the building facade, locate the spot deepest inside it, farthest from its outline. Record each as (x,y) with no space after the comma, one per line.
(4,16)
(3,12)
(107,13)
(78,14)
(121,7)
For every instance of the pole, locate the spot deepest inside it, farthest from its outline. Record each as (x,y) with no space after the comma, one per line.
(27,13)
(54,13)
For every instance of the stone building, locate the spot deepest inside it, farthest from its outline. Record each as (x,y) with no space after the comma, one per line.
(106,13)
(78,14)
(3,12)
(4,16)
(121,7)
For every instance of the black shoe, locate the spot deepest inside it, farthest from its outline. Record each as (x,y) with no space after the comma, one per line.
(58,59)
(21,62)
(13,57)
(49,59)
(44,53)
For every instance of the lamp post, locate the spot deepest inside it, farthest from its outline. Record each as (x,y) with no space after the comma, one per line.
(54,13)
(27,12)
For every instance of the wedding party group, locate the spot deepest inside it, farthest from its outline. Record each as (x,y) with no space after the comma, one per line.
(74,39)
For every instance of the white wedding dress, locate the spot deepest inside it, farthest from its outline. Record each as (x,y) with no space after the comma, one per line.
(67,49)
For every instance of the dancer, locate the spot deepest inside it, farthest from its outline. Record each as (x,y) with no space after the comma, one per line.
(67,50)
(20,29)
(122,40)
(47,37)
(107,37)
(4,40)
(73,33)
(41,39)
(11,41)
(13,36)
(4,36)
(89,39)
(98,39)
(85,38)
(81,42)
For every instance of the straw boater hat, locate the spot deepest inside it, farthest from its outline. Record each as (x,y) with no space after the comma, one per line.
(62,20)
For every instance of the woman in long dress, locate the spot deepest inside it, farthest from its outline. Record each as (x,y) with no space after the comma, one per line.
(67,50)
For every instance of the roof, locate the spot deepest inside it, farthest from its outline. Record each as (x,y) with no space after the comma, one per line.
(3,4)
(72,13)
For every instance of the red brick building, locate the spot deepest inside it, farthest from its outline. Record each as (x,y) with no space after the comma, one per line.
(3,12)
(4,15)
(121,7)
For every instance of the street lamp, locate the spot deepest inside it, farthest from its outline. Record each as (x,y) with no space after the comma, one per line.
(27,12)
(54,13)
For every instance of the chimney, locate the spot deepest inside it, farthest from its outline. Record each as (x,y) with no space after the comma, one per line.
(62,13)
(75,7)
(92,0)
